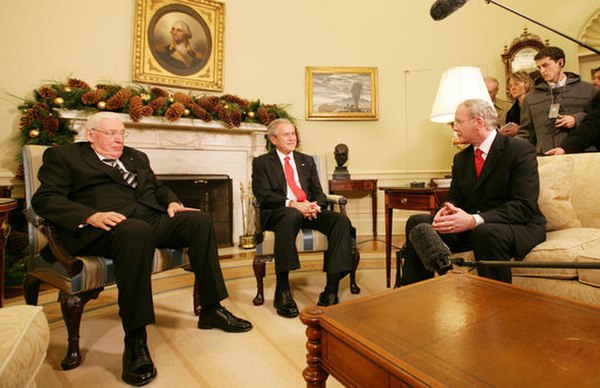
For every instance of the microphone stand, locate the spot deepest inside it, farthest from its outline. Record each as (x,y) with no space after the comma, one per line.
(543,25)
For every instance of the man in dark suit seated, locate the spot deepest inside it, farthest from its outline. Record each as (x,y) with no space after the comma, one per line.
(105,200)
(491,206)
(286,184)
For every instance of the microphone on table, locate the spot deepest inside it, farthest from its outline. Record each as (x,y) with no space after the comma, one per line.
(434,254)
(441,9)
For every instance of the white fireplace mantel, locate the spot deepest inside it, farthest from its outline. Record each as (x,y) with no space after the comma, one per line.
(190,146)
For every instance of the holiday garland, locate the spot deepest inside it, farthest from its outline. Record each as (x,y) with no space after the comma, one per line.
(40,121)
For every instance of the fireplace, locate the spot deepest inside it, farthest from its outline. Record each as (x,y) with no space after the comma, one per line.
(209,193)
(193,147)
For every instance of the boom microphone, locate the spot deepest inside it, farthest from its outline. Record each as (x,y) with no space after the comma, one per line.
(441,9)
(434,254)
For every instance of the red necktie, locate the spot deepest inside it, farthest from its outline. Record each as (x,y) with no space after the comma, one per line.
(478,161)
(289,177)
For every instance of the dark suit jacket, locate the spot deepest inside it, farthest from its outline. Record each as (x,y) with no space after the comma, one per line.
(269,185)
(587,133)
(75,184)
(506,192)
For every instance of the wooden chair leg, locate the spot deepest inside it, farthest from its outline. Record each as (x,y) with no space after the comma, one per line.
(259,267)
(31,290)
(355,261)
(399,257)
(72,308)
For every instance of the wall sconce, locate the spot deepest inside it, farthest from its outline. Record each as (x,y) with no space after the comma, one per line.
(457,84)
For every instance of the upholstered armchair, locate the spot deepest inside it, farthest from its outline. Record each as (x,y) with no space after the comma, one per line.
(78,278)
(308,240)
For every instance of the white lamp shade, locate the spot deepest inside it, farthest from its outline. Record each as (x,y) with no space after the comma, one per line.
(457,85)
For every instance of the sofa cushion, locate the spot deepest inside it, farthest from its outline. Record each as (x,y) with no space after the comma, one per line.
(24,338)
(590,276)
(561,246)
(556,181)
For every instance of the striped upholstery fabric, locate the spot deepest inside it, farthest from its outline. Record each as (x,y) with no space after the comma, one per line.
(308,240)
(97,271)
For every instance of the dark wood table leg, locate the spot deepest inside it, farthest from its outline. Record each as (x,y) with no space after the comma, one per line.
(314,374)
(374,208)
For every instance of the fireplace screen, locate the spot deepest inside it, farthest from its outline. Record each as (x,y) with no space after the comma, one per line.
(210,193)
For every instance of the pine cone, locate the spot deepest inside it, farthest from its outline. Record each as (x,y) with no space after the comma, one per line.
(46,93)
(223,114)
(209,103)
(236,117)
(135,114)
(200,113)
(77,83)
(147,111)
(118,100)
(175,111)
(263,115)
(135,102)
(50,124)
(110,89)
(93,97)
(184,99)
(26,120)
(235,100)
(157,103)
(159,92)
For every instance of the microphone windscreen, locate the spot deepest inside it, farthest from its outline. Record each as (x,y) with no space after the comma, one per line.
(434,254)
(441,9)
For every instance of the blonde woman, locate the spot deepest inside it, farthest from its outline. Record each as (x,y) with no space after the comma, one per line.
(519,84)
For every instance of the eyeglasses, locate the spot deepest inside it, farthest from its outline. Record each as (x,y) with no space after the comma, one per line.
(458,122)
(112,132)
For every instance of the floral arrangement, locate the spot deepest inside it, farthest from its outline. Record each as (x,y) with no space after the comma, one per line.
(40,122)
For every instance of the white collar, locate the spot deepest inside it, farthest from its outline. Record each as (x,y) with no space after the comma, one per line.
(487,143)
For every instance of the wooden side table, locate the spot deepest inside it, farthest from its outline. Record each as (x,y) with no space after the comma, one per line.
(427,199)
(370,185)
(6,205)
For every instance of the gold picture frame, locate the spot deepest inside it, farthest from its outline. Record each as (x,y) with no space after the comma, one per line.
(341,93)
(179,43)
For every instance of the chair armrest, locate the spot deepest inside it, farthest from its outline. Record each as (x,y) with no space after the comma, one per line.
(339,200)
(258,229)
(72,264)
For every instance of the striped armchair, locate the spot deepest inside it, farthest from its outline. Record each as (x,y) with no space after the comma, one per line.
(78,278)
(308,240)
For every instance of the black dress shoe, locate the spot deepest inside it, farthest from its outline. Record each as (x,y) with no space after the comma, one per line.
(221,318)
(285,305)
(138,368)
(328,299)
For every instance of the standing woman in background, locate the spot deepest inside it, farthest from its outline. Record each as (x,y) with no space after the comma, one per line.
(519,84)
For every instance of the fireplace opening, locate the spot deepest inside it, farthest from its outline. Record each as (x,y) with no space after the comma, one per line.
(209,193)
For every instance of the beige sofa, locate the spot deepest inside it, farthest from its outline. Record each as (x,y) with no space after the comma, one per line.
(570,200)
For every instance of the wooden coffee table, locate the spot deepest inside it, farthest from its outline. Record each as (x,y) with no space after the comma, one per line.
(454,330)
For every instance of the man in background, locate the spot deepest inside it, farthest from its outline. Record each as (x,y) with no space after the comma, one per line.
(556,105)
(596,78)
(491,207)
(106,201)
(493,86)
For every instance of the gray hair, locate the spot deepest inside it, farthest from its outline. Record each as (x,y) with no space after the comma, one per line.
(492,79)
(184,26)
(275,124)
(481,108)
(94,120)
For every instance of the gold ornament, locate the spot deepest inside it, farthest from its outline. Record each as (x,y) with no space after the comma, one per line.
(171,99)
(101,105)
(59,101)
(145,97)
(34,133)
(226,106)
(186,112)
(67,89)
(251,114)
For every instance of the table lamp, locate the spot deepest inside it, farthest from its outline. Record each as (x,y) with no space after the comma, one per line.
(457,84)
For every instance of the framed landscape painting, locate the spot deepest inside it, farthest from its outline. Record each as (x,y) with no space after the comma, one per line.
(341,93)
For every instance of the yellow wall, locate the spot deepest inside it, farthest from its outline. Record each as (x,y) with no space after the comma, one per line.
(268,44)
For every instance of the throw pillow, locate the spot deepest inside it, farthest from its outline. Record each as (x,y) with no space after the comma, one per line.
(556,181)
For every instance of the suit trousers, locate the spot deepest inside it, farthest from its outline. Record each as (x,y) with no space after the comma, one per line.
(131,245)
(488,242)
(286,222)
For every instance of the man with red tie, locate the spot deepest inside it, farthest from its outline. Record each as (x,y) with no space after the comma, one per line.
(491,207)
(286,184)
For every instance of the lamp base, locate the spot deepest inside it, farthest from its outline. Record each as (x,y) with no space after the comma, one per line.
(247,242)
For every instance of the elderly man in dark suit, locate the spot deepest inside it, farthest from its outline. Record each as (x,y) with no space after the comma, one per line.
(286,184)
(491,207)
(105,200)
